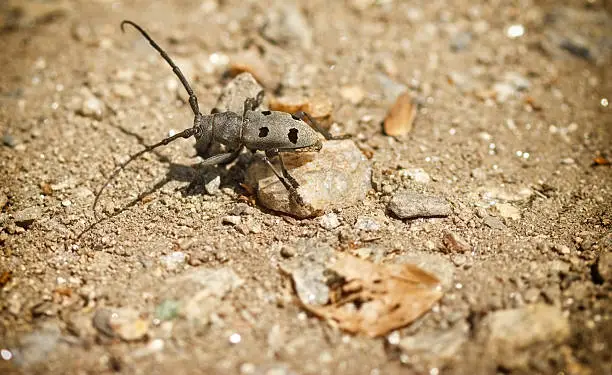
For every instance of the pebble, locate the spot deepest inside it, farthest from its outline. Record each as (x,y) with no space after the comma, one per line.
(511,337)
(454,243)
(201,294)
(401,115)
(508,211)
(287,26)
(603,267)
(34,347)
(309,271)
(337,176)
(411,205)
(92,107)
(417,175)
(174,260)
(329,221)
(436,348)
(123,90)
(213,184)
(366,223)
(231,220)
(125,323)
(66,203)
(493,222)
(9,140)
(353,94)
(287,251)
(27,216)
(167,310)
(461,41)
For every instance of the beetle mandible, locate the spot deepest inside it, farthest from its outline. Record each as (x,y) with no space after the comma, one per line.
(272,132)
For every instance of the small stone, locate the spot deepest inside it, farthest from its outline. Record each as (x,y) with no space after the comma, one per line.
(478,174)
(287,251)
(66,203)
(401,116)
(231,220)
(461,41)
(508,211)
(437,348)
(167,310)
(455,244)
(9,140)
(27,216)
(511,337)
(603,267)
(35,347)
(418,175)
(367,224)
(123,90)
(125,323)
(568,161)
(212,186)
(353,94)
(92,107)
(531,295)
(337,176)
(174,260)
(493,222)
(287,26)
(411,205)
(329,221)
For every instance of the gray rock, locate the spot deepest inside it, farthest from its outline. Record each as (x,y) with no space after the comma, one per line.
(513,337)
(367,223)
(173,260)
(461,41)
(27,216)
(35,347)
(287,26)
(213,184)
(125,323)
(9,140)
(493,222)
(92,107)
(329,221)
(308,271)
(411,205)
(438,348)
(231,220)
(337,176)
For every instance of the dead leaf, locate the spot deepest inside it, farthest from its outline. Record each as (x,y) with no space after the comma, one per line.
(401,116)
(376,299)
(600,160)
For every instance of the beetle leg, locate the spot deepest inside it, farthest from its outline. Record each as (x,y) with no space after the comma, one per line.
(315,125)
(275,152)
(220,158)
(290,188)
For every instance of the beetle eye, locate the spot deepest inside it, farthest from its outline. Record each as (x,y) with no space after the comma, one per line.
(293,135)
(263,131)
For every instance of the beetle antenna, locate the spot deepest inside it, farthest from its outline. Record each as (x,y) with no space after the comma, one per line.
(193,100)
(187,133)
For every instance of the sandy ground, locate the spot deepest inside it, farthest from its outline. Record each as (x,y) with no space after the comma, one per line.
(513,129)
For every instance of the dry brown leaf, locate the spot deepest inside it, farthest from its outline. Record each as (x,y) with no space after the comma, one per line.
(401,116)
(376,299)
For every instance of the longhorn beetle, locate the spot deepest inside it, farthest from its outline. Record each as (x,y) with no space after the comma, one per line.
(273,132)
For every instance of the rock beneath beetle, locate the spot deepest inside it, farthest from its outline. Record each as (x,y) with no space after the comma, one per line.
(411,205)
(513,337)
(337,176)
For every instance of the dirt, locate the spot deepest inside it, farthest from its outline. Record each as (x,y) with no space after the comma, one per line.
(526,176)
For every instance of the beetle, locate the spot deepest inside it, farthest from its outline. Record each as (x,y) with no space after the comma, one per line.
(272,132)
